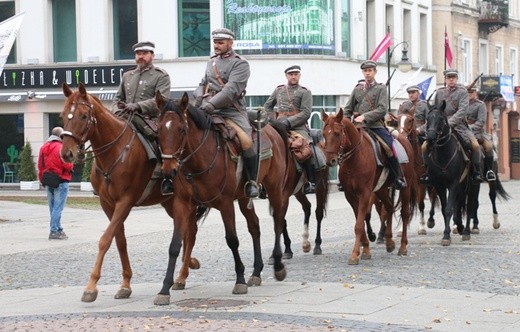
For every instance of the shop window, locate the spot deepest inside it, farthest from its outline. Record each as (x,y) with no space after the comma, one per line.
(64,39)
(7,10)
(125,28)
(11,141)
(194,28)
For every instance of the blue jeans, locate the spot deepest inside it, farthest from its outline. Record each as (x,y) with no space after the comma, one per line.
(57,199)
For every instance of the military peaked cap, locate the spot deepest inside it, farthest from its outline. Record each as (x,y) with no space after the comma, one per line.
(144,46)
(222,33)
(368,64)
(412,88)
(451,72)
(293,69)
(472,89)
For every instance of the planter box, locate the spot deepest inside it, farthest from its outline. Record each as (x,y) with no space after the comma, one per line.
(29,185)
(86,186)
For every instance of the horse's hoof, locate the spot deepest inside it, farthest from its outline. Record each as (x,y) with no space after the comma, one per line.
(317,251)
(287,255)
(496,222)
(280,275)
(455,230)
(475,231)
(445,242)
(161,299)
(254,281)
(366,256)
(179,285)
(271,261)
(89,296)
(194,263)
(380,240)
(306,246)
(353,261)
(466,237)
(430,223)
(372,237)
(123,293)
(390,247)
(402,252)
(422,231)
(240,289)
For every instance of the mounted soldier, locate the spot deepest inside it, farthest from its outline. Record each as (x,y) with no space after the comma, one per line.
(294,107)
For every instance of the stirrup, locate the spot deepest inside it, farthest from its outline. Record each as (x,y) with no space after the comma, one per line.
(490,176)
(251,189)
(309,188)
(166,187)
(399,184)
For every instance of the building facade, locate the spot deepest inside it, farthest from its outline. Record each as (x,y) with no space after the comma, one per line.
(484,36)
(90,41)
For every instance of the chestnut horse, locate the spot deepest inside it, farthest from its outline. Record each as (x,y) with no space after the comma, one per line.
(351,148)
(200,159)
(406,126)
(122,175)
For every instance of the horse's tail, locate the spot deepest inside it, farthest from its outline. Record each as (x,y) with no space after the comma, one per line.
(502,193)
(201,213)
(324,181)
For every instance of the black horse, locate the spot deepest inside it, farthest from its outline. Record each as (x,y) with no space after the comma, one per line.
(448,169)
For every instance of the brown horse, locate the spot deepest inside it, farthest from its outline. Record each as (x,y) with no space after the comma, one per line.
(122,175)
(359,173)
(201,159)
(406,126)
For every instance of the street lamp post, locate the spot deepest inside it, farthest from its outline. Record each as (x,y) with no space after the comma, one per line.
(404,65)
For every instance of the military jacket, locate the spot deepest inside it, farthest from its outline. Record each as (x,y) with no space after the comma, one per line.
(372,101)
(477,115)
(457,101)
(419,110)
(294,102)
(140,86)
(229,90)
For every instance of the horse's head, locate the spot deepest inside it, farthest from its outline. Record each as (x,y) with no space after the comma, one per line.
(333,135)
(78,118)
(437,125)
(172,131)
(405,124)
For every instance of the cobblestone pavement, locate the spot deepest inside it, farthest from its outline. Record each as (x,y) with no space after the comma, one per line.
(488,263)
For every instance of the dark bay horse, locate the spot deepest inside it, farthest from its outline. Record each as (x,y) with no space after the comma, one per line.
(122,175)
(406,126)
(200,158)
(359,173)
(448,171)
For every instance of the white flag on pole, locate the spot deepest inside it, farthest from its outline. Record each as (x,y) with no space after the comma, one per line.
(8,31)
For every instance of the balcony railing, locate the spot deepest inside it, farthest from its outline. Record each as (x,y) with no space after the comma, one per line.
(494,14)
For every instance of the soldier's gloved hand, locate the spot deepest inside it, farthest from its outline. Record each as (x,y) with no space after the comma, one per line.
(198,101)
(132,108)
(121,105)
(284,122)
(208,108)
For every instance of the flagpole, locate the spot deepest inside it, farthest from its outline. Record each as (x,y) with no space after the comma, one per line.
(388,71)
(445,59)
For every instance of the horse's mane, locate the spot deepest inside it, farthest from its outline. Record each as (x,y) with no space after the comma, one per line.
(201,119)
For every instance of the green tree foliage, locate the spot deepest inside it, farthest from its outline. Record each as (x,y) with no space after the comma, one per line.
(27,171)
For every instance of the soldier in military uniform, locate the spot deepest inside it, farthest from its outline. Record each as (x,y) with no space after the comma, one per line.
(456,97)
(477,115)
(294,107)
(136,93)
(221,91)
(416,107)
(368,105)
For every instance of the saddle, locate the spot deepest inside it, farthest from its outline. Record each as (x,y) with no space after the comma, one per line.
(378,145)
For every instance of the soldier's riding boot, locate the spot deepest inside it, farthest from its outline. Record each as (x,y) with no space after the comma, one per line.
(166,187)
(395,169)
(251,168)
(475,167)
(310,186)
(425,178)
(488,169)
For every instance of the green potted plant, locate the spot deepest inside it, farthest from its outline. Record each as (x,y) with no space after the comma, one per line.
(85,184)
(27,170)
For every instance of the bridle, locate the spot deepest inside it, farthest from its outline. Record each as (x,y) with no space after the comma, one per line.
(346,150)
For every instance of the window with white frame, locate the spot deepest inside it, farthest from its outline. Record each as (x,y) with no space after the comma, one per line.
(513,60)
(483,62)
(499,59)
(466,61)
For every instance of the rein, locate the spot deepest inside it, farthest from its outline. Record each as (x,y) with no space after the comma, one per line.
(441,141)
(343,154)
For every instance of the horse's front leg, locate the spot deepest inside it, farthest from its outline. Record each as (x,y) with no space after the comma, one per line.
(306,207)
(188,262)
(253,226)
(125,290)
(447,212)
(117,217)
(360,207)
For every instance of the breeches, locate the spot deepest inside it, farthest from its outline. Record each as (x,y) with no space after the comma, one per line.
(487,146)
